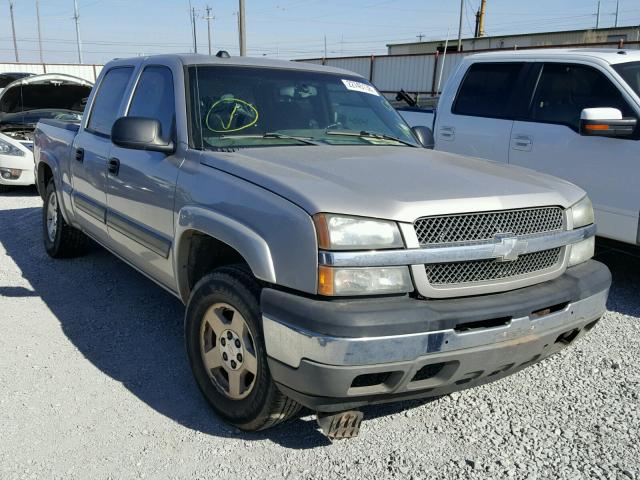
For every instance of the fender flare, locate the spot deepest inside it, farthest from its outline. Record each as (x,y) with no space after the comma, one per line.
(249,244)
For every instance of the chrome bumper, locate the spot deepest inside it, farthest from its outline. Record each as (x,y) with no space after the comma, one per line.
(290,345)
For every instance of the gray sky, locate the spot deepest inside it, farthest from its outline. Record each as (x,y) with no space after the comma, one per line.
(282,28)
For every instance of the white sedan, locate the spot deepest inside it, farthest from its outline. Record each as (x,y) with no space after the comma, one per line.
(22,104)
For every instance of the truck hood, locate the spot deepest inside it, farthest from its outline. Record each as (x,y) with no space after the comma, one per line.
(391,182)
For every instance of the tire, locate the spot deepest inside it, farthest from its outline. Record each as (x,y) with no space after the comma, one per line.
(61,240)
(226,293)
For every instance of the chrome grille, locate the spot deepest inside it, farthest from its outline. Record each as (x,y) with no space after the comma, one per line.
(450,274)
(483,226)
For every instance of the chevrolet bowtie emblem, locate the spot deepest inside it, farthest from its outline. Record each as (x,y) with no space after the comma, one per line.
(508,247)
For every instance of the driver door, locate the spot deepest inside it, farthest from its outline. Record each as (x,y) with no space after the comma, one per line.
(548,140)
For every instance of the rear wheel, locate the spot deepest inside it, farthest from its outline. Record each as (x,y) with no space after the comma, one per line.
(60,239)
(227,354)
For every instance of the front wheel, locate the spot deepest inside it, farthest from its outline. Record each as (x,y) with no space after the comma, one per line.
(60,239)
(227,354)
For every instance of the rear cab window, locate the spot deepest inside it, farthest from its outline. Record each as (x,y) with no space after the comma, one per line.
(487,90)
(106,105)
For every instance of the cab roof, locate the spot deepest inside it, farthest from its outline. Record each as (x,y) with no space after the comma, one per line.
(261,62)
(608,55)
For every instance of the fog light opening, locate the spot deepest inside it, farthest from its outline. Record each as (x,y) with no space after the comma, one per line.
(10,173)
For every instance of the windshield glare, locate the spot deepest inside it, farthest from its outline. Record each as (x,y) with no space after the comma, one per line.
(630,72)
(236,106)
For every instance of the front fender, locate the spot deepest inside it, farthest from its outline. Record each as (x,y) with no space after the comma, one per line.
(253,248)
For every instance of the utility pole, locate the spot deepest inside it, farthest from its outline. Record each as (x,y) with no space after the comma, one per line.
(598,16)
(208,18)
(241,29)
(460,26)
(76,17)
(195,36)
(39,30)
(13,30)
(325,46)
(480,19)
(420,36)
(617,11)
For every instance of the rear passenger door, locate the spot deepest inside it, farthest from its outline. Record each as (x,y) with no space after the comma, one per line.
(90,152)
(140,192)
(547,139)
(479,120)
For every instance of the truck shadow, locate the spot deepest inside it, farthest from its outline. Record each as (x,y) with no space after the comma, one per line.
(624,264)
(132,330)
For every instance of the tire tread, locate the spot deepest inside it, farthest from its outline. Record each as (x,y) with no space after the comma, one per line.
(278,407)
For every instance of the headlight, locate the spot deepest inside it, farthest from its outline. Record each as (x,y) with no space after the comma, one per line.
(582,213)
(7,149)
(582,251)
(338,232)
(363,281)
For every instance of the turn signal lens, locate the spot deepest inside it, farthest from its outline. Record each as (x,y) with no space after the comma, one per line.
(363,281)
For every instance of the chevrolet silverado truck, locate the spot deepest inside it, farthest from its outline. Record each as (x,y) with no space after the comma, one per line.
(572,113)
(325,258)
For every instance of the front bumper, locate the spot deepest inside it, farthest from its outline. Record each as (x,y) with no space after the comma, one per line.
(24,164)
(404,348)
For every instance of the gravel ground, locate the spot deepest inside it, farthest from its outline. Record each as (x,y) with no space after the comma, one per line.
(94,383)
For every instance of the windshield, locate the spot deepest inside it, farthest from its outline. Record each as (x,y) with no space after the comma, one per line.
(630,72)
(260,107)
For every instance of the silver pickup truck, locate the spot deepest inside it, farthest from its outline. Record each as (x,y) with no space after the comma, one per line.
(325,258)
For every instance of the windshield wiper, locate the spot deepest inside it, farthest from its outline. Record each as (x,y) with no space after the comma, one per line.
(365,134)
(306,141)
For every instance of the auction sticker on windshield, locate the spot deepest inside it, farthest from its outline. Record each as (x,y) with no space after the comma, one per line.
(360,87)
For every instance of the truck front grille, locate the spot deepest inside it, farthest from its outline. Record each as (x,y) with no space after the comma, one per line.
(451,274)
(483,226)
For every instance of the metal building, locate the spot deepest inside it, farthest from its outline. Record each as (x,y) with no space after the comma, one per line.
(525,40)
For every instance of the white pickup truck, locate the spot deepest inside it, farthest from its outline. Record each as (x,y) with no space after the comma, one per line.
(571,113)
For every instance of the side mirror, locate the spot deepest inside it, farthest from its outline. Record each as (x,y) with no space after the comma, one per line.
(424,136)
(140,133)
(605,122)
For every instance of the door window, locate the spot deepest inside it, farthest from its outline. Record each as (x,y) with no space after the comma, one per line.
(487,89)
(154,98)
(564,90)
(108,99)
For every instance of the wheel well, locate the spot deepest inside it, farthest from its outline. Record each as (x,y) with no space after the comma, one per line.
(45,174)
(206,254)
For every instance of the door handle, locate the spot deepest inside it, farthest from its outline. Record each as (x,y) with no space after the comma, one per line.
(522,142)
(114,166)
(447,133)
(80,154)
